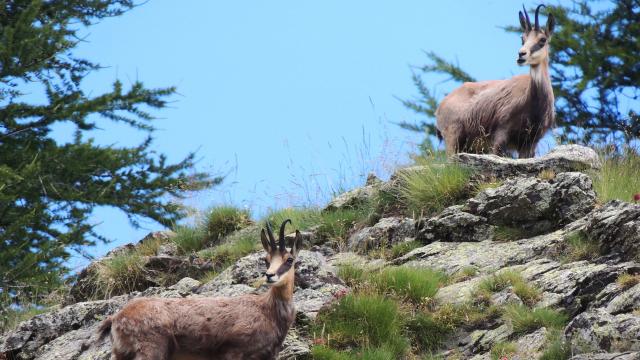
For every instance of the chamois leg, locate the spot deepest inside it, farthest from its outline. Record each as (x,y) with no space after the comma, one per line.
(152,351)
(527,152)
(498,146)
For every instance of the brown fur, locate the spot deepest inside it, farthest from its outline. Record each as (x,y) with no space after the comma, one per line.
(501,115)
(244,327)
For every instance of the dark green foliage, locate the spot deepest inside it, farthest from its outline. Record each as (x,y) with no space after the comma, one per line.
(49,189)
(223,220)
(525,320)
(594,72)
(427,333)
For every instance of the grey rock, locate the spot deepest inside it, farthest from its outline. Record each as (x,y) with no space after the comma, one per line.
(486,256)
(387,232)
(627,301)
(505,297)
(598,331)
(561,159)
(631,355)
(616,228)
(535,204)
(294,347)
(454,225)
(355,197)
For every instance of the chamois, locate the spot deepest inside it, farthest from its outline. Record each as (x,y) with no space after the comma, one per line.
(498,116)
(244,327)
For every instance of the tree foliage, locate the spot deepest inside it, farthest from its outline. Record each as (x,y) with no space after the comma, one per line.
(48,188)
(595,73)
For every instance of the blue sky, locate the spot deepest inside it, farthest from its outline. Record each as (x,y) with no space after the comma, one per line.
(291,100)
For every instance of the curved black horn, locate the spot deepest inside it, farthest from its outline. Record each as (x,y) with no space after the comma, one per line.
(284,224)
(537,11)
(272,240)
(526,15)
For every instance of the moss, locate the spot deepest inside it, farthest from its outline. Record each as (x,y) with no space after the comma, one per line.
(525,320)
(221,221)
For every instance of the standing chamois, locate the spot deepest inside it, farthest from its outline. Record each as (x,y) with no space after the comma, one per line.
(498,116)
(244,327)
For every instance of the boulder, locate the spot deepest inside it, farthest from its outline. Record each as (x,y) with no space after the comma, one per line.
(597,330)
(454,225)
(356,197)
(562,158)
(387,232)
(616,228)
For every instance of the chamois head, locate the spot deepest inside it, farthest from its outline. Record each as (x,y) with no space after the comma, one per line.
(535,40)
(279,261)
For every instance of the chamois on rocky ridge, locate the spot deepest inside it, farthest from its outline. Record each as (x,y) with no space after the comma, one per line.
(498,116)
(244,327)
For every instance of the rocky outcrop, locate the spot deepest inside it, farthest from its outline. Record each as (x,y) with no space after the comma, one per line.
(385,233)
(562,158)
(550,214)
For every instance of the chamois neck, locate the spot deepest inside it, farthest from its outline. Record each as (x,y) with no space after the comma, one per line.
(284,292)
(540,76)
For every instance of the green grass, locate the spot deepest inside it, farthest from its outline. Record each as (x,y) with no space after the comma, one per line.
(427,333)
(579,247)
(414,284)
(352,275)
(509,233)
(400,249)
(326,353)
(463,274)
(556,348)
(189,238)
(235,246)
(337,224)
(221,221)
(11,317)
(150,246)
(466,315)
(502,280)
(365,321)
(120,274)
(432,188)
(503,350)
(301,218)
(618,178)
(525,320)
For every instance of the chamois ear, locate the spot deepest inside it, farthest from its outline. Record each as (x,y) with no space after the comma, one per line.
(264,241)
(551,23)
(297,241)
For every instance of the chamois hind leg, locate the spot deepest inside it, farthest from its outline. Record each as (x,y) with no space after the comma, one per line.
(152,351)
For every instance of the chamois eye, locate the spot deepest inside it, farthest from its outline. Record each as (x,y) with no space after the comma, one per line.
(543,40)
(290,261)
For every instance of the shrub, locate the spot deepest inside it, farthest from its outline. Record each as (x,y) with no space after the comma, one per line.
(525,320)
(189,239)
(221,221)
(618,178)
(427,333)
(579,247)
(503,350)
(433,186)
(415,284)
(367,321)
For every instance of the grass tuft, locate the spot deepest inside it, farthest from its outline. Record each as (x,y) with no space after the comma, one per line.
(189,239)
(433,187)
(504,279)
(503,350)
(400,249)
(626,281)
(301,218)
(463,274)
(235,246)
(579,247)
(557,347)
(525,320)
(221,221)
(367,321)
(415,284)
(10,318)
(618,178)
(426,332)
(119,274)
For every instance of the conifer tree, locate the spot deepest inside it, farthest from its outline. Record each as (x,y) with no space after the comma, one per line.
(48,189)
(595,73)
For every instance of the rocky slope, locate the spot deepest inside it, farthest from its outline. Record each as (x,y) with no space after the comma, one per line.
(549,212)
